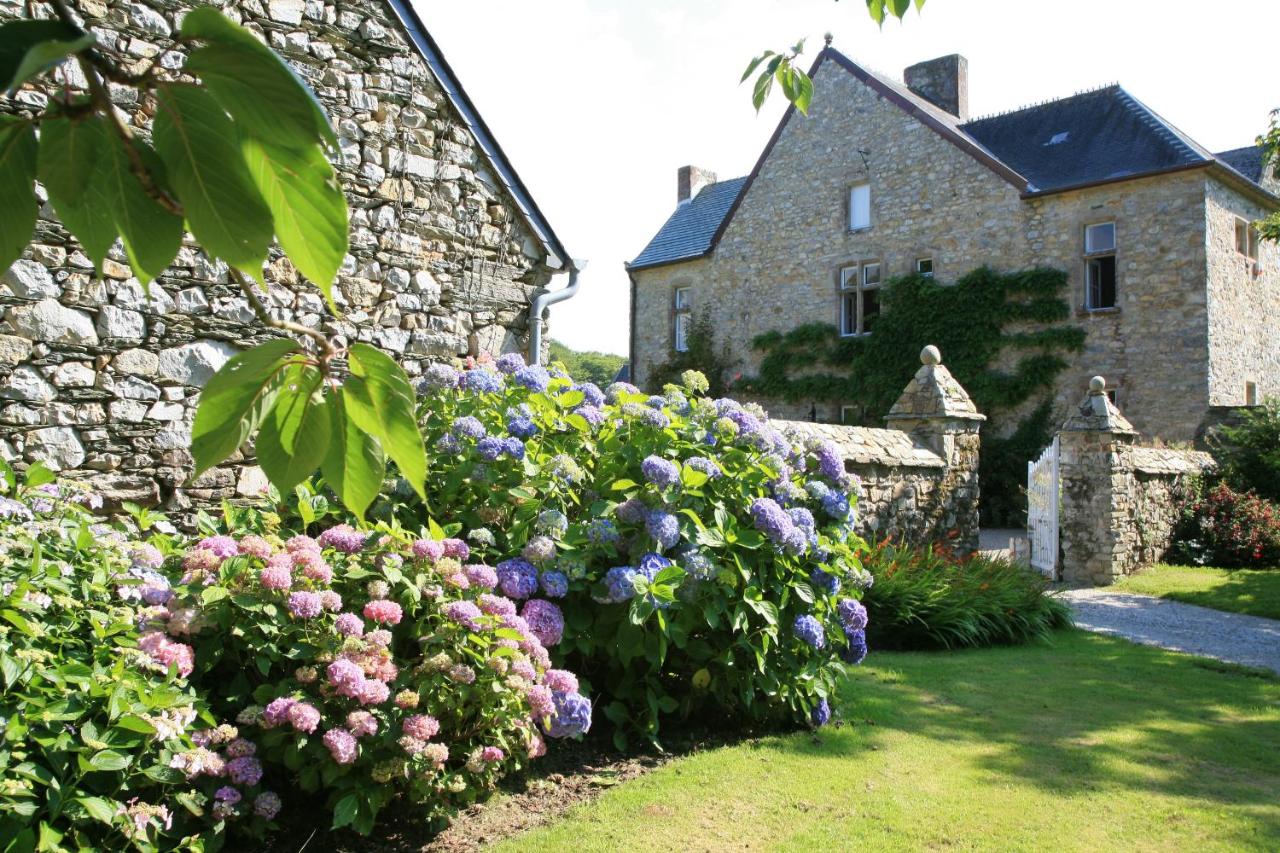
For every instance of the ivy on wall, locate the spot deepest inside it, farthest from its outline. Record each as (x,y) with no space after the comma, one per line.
(973,322)
(702,355)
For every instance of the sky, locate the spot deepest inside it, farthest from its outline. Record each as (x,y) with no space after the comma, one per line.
(597,103)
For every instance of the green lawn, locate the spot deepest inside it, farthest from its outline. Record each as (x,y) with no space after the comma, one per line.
(1256,593)
(1089,743)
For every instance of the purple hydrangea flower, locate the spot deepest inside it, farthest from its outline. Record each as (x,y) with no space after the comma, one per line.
(621,584)
(439,376)
(467,427)
(448,444)
(572,715)
(663,473)
(305,605)
(810,630)
(820,714)
(244,771)
(590,414)
(631,511)
(517,578)
(534,377)
(222,546)
(663,527)
(852,614)
(344,538)
(497,605)
(522,427)
(482,381)
(706,466)
(591,394)
(509,362)
(349,625)
(830,461)
(546,621)
(481,576)
(465,613)
(554,585)
(602,531)
(856,651)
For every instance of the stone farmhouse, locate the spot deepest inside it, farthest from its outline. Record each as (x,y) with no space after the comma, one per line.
(449,255)
(1180,302)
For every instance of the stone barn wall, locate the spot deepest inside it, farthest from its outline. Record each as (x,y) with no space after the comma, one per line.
(102,380)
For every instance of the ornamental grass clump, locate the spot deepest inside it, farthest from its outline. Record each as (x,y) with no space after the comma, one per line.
(697,557)
(372,664)
(105,741)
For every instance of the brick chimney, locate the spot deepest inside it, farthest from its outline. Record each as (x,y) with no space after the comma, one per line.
(691,179)
(943,82)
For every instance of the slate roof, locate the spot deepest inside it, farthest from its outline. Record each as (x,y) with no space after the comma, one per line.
(1093,137)
(688,232)
(1247,161)
(1087,138)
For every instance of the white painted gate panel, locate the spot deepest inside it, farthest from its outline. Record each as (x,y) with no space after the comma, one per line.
(1042,511)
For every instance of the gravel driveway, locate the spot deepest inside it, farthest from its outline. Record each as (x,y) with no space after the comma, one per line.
(1231,637)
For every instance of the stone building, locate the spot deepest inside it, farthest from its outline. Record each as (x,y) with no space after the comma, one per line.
(1180,302)
(448,254)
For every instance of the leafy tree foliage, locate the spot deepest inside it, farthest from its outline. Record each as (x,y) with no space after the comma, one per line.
(588,365)
(1249,452)
(702,355)
(1269,228)
(238,155)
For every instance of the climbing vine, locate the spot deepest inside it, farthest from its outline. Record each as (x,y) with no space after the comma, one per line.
(1001,335)
(702,355)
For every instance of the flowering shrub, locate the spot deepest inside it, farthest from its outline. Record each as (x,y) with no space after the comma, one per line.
(368,665)
(1230,529)
(105,743)
(677,551)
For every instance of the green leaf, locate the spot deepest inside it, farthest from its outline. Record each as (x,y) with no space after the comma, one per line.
(98,809)
(294,435)
(380,400)
(307,205)
(234,400)
(876,9)
(345,811)
(899,7)
(258,88)
(201,151)
(212,594)
(763,84)
(74,155)
(354,465)
(109,759)
(152,235)
(754,64)
(38,474)
(134,723)
(802,88)
(17,188)
(29,47)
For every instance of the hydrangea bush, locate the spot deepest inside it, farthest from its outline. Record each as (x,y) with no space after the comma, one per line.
(105,742)
(369,664)
(677,551)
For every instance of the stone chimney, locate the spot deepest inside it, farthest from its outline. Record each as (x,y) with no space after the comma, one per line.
(943,82)
(691,179)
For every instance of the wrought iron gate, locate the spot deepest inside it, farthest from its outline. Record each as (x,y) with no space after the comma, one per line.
(1042,511)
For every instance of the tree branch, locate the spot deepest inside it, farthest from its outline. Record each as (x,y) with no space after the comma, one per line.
(327,349)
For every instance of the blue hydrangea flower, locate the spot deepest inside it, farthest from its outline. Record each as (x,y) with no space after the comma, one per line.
(809,629)
(820,714)
(663,473)
(522,427)
(554,584)
(562,467)
(448,444)
(817,489)
(655,402)
(747,423)
(697,564)
(534,377)
(621,583)
(517,578)
(571,715)
(830,461)
(602,531)
(655,418)
(509,362)
(590,414)
(663,527)
(856,651)
(825,581)
(439,376)
(551,522)
(651,564)
(706,466)
(490,448)
(468,427)
(803,519)
(836,505)
(771,519)
(852,614)
(631,511)
(591,393)
(482,381)
(513,447)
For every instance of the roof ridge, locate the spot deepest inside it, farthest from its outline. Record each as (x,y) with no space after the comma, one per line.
(1037,104)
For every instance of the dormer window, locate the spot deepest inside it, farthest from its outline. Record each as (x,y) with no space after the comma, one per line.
(1100,266)
(860,207)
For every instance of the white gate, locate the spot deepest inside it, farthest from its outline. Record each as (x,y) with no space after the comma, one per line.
(1042,511)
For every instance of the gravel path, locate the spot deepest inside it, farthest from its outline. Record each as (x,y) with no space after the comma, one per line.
(1231,637)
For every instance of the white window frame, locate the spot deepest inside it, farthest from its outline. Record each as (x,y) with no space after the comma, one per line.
(682,305)
(853,285)
(1251,393)
(920,262)
(1093,253)
(860,213)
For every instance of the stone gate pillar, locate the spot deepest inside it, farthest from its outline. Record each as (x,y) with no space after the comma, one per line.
(1095,468)
(939,414)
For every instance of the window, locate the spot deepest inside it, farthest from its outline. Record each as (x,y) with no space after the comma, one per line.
(1100,266)
(851,415)
(1246,239)
(1251,393)
(859,297)
(683,307)
(859,207)
(924,267)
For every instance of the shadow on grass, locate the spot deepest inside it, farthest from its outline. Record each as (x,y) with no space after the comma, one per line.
(1256,593)
(1083,714)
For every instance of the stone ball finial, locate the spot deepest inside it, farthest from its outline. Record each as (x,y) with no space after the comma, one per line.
(826,38)
(1097,385)
(930,355)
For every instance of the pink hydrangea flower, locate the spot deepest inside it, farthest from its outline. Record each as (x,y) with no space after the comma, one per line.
(481,575)
(497,605)
(457,580)
(362,723)
(428,549)
(524,669)
(380,638)
(347,678)
(537,746)
(384,670)
(198,561)
(165,652)
(436,753)
(277,711)
(304,717)
(275,577)
(383,611)
(305,605)
(374,692)
(341,745)
(421,726)
(457,549)
(540,700)
(301,543)
(344,538)
(255,546)
(492,754)
(561,680)
(349,625)
(331,601)
(222,546)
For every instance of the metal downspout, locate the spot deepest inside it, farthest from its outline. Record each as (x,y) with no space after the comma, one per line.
(543,301)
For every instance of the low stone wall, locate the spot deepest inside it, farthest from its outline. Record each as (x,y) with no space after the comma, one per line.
(919,482)
(1163,481)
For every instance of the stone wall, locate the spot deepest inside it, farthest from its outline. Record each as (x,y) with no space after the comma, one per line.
(777,265)
(919,481)
(101,379)
(1120,502)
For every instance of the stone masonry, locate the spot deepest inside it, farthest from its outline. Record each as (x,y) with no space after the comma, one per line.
(101,380)
(1187,333)
(919,479)
(1120,502)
